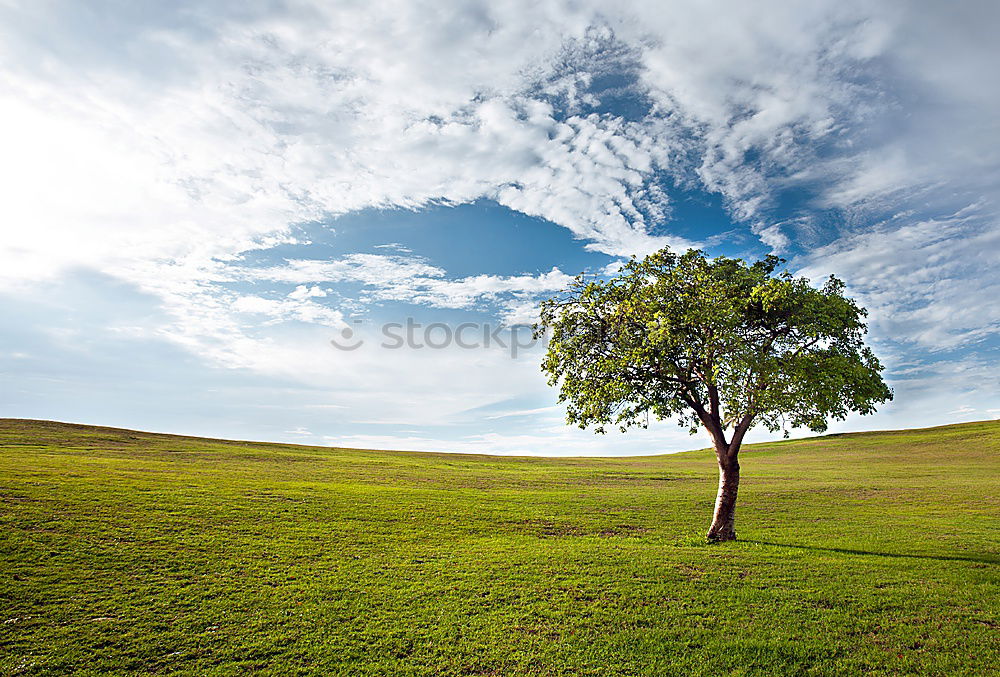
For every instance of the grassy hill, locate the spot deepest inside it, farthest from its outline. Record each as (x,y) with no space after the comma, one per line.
(125,552)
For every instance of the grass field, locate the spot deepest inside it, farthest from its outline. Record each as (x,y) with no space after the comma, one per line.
(127,552)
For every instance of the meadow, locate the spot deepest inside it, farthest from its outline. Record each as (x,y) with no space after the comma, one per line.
(132,553)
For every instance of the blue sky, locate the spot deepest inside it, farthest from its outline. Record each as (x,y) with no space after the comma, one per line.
(199,197)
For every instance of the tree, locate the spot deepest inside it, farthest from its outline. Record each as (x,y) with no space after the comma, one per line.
(717,343)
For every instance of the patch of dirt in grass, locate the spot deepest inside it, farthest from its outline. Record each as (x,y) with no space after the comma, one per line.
(270,496)
(548,528)
(623,531)
(691,571)
(18,498)
(632,478)
(552,529)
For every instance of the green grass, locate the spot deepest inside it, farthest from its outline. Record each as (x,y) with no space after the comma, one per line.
(125,552)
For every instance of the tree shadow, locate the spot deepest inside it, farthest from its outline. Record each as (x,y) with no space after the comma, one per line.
(984,559)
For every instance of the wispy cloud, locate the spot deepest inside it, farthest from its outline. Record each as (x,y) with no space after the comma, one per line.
(924,281)
(411,280)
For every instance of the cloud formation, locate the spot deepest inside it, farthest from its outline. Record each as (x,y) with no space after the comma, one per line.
(160,144)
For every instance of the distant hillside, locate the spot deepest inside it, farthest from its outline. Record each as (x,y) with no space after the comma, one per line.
(57,432)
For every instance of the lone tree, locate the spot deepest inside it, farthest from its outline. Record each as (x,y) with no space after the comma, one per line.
(717,343)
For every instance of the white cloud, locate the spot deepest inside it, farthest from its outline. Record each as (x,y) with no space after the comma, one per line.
(526,412)
(924,282)
(227,129)
(159,158)
(964,410)
(288,309)
(412,280)
(303,292)
(395,246)
(372,269)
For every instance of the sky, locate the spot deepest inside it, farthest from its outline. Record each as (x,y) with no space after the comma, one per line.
(224,218)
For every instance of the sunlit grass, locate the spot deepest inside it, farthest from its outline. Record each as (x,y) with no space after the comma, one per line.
(133,553)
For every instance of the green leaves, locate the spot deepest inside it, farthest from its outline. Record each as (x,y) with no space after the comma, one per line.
(713,342)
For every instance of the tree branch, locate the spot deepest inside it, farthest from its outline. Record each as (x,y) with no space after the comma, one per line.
(738,433)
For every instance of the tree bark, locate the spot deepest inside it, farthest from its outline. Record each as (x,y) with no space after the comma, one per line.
(724,522)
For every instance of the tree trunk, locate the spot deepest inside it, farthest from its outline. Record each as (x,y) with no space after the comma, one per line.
(724,522)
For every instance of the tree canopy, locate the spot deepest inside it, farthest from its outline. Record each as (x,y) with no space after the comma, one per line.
(713,342)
